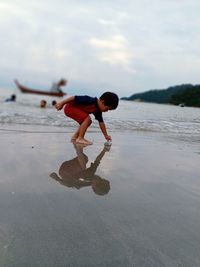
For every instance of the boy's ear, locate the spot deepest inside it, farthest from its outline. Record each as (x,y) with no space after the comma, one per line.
(103,102)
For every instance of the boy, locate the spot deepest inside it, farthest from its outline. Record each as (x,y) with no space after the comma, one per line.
(79,107)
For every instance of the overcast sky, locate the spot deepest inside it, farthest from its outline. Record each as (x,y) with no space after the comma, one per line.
(126,46)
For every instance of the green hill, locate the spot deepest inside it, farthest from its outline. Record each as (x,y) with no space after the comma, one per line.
(161,95)
(190,98)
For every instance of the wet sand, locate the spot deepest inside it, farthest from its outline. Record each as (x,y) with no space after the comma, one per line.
(134,205)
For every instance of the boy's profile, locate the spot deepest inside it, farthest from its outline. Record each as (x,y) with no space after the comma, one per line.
(79,107)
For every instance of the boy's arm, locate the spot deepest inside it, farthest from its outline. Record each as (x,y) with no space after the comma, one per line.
(60,104)
(104,131)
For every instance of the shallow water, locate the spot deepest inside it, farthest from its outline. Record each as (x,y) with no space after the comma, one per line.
(149,216)
(129,116)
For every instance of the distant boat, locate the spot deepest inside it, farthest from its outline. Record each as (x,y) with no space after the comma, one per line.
(27,90)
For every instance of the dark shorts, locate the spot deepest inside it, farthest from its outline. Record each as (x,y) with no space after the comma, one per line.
(75,113)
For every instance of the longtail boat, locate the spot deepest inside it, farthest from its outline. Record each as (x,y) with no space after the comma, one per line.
(27,90)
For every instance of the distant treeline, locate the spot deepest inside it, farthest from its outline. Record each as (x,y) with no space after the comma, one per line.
(185,94)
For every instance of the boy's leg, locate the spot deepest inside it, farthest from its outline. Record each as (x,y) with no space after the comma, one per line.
(75,136)
(82,158)
(78,115)
(82,130)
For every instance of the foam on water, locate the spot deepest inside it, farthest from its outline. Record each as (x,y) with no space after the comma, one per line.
(129,116)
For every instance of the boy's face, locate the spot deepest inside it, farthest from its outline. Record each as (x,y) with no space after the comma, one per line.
(102,106)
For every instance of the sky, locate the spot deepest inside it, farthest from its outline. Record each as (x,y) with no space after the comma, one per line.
(107,45)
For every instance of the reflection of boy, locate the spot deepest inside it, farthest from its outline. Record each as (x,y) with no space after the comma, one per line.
(74,173)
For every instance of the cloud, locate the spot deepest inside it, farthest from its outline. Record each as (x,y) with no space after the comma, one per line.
(8,10)
(88,40)
(106,22)
(113,50)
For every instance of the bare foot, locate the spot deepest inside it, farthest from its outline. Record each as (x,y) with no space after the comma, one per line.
(74,137)
(83,141)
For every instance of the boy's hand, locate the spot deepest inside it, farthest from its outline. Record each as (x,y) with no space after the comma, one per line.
(108,137)
(59,105)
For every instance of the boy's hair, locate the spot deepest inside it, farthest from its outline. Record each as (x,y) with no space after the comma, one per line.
(100,186)
(110,99)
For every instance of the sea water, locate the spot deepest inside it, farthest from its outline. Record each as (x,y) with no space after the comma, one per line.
(129,116)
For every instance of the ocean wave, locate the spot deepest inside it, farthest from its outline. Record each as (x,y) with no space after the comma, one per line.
(129,117)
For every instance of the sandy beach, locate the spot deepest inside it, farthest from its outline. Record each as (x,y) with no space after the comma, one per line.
(144,213)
